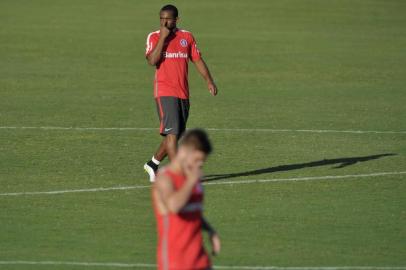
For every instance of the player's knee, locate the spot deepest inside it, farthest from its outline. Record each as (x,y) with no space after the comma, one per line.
(171,140)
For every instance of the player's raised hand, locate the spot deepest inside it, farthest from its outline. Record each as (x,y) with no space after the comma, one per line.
(215,243)
(164,31)
(212,88)
(193,172)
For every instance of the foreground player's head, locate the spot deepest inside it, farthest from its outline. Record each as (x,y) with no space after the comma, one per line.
(169,16)
(194,147)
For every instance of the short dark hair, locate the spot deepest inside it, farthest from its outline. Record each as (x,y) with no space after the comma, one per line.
(197,139)
(170,8)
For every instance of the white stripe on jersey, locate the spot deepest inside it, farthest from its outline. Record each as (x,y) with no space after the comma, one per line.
(165,257)
(149,44)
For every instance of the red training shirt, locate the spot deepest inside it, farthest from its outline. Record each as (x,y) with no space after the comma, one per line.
(180,239)
(171,75)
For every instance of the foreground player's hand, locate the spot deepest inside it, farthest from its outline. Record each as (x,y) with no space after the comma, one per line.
(212,88)
(215,243)
(193,172)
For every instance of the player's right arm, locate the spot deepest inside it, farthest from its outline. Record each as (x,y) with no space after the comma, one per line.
(155,55)
(170,200)
(213,236)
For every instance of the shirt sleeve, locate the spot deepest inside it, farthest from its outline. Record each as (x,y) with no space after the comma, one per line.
(195,54)
(152,40)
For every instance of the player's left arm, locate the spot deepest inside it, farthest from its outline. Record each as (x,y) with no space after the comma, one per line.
(204,71)
(213,235)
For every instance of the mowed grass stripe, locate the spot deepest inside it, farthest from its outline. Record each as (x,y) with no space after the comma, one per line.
(251,181)
(213,129)
(147,265)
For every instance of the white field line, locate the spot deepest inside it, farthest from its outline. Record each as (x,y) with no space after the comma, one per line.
(310,267)
(54,192)
(70,263)
(146,265)
(82,128)
(269,130)
(237,182)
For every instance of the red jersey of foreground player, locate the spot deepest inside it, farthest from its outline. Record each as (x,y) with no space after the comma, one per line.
(180,240)
(171,75)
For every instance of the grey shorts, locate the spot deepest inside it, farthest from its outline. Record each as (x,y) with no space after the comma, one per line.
(173,113)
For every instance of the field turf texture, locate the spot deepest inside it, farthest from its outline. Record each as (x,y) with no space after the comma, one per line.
(296,65)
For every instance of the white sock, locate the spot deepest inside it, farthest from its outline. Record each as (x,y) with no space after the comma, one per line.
(155,161)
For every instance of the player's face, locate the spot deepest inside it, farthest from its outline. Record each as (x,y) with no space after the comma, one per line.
(167,19)
(196,158)
(191,157)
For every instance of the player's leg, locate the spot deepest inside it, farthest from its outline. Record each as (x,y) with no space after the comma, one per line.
(172,126)
(168,111)
(151,167)
(184,106)
(171,145)
(166,148)
(176,113)
(160,154)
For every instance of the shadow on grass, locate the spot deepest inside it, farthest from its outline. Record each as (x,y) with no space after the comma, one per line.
(338,162)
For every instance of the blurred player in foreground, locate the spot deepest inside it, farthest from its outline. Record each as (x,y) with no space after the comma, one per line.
(169,49)
(177,195)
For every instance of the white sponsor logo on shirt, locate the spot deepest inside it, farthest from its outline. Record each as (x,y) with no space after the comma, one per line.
(175,55)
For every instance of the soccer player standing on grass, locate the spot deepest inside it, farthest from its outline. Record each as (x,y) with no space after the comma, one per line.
(170,49)
(177,196)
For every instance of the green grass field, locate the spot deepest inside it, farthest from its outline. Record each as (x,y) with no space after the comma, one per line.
(280,65)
